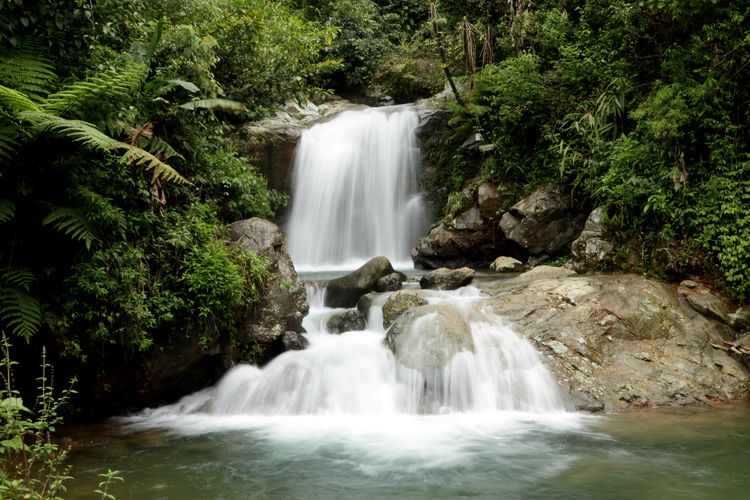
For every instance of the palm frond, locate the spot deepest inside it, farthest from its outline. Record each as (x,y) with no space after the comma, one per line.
(28,69)
(16,101)
(21,313)
(109,85)
(72,223)
(214,104)
(7,210)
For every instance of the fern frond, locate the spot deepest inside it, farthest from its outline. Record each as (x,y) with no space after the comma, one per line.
(213,104)
(76,130)
(157,146)
(16,101)
(91,137)
(72,223)
(137,156)
(15,277)
(7,210)
(8,142)
(108,85)
(20,312)
(28,69)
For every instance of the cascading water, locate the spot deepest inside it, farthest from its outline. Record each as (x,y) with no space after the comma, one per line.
(356,191)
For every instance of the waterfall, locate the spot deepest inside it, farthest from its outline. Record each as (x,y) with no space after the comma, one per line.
(356,191)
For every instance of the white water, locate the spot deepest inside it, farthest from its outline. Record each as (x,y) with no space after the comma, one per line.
(356,191)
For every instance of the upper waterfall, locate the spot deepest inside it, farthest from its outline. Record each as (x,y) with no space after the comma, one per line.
(356,191)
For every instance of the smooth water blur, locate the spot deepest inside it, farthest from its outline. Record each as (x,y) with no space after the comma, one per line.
(654,454)
(356,192)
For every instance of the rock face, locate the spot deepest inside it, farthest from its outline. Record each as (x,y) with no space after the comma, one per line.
(346,321)
(400,302)
(705,302)
(284,304)
(507,265)
(346,290)
(594,245)
(390,283)
(447,279)
(545,223)
(429,336)
(621,341)
(472,237)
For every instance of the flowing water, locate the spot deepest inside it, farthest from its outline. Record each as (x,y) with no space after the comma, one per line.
(344,418)
(356,191)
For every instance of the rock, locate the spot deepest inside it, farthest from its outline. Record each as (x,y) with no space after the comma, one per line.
(294,341)
(507,265)
(543,223)
(594,245)
(365,303)
(488,200)
(398,303)
(447,279)
(707,303)
(347,321)
(346,290)
(618,342)
(284,304)
(390,283)
(429,336)
(740,319)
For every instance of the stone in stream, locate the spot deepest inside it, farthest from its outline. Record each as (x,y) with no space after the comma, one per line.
(346,290)
(507,265)
(346,321)
(294,341)
(447,279)
(390,283)
(429,336)
(400,302)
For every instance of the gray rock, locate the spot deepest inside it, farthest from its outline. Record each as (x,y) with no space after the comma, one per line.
(346,290)
(429,336)
(488,200)
(740,319)
(365,303)
(594,245)
(507,265)
(294,341)
(400,302)
(544,223)
(707,303)
(284,304)
(447,279)
(618,342)
(390,283)
(347,321)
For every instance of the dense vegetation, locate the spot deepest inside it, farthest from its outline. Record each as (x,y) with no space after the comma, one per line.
(118,174)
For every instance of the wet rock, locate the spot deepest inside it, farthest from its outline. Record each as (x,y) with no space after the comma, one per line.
(284,303)
(544,223)
(507,265)
(346,290)
(447,279)
(294,341)
(347,321)
(390,283)
(618,342)
(398,303)
(429,336)
(594,245)
(365,303)
(488,200)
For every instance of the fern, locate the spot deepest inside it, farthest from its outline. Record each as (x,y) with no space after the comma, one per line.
(137,156)
(15,101)
(27,69)
(70,222)
(19,311)
(158,146)
(7,210)
(213,104)
(8,142)
(109,85)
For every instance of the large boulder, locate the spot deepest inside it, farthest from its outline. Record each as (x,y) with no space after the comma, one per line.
(390,283)
(346,290)
(429,336)
(545,223)
(400,302)
(347,321)
(447,279)
(593,246)
(706,302)
(621,341)
(284,305)
(471,237)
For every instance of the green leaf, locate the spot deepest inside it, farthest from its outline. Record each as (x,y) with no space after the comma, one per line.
(72,223)
(214,104)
